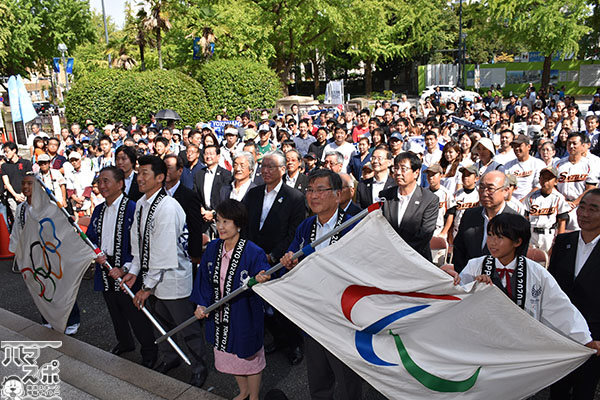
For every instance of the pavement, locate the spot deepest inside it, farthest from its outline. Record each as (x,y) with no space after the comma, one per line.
(89,371)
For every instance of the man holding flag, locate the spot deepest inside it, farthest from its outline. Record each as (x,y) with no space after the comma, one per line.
(109,229)
(323,368)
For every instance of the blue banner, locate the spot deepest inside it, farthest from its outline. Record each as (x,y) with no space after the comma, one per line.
(56,64)
(197,51)
(69,68)
(219,126)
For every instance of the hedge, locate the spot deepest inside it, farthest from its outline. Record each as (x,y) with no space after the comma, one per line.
(238,84)
(110,95)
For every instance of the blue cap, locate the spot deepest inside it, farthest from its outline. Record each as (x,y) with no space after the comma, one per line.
(397,135)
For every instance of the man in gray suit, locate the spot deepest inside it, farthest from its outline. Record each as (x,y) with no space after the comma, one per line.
(411,210)
(470,241)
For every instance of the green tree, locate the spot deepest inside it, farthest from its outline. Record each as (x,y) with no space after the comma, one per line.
(32,29)
(155,18)
(547,26)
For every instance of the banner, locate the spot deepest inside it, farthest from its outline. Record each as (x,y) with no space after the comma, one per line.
(56,64)
(334,92)
(401,323)
(219,126)
(28,113)
(69,68)
(52,259)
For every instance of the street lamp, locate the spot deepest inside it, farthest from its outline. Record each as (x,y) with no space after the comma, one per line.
(63,49)
(105,32)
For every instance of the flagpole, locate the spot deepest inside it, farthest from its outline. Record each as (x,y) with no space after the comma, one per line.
(97,250)
(306,250)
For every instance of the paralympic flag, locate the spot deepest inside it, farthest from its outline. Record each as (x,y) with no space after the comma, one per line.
(401,324)
(52,259)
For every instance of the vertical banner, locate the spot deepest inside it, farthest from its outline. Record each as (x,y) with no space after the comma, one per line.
(197,52)
(69,68)
(56,64)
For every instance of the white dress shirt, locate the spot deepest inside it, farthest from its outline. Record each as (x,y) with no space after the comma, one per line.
(403,202)
(486,220)
(291,182)
(169,268)
(583,252)
(172,191)
(238,194)
(377,187)
(268,202)
(109,221)
(128,182)
(209,178)
(324,229)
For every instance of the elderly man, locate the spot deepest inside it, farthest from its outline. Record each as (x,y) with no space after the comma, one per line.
(369,189)
(410,209)
(322,367)
(293,177)
(243,165)
(334,161)
(346,195)
(274,212)
(470,241)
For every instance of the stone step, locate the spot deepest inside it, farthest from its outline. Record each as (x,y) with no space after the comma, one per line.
(87,372)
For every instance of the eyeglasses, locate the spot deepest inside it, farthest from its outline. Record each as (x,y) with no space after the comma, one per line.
(331,163)
(317,191)
(402,169)
(489,189)
(270,166)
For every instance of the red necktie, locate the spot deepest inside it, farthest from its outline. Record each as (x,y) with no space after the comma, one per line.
(506,273)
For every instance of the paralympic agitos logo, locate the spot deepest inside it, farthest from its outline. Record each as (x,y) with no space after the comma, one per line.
(364,338)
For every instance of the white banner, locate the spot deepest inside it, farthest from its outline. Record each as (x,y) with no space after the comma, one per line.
(401,323)
(52,259)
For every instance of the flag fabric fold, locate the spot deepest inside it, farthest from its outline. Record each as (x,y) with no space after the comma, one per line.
(52,259)
(401,323)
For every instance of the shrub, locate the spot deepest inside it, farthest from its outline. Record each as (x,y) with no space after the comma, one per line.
(109,95)
(238,84)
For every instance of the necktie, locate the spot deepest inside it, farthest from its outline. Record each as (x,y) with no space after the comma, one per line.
(506,273)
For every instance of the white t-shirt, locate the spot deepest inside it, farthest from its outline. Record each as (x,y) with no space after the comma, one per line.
(572,178)
(527,174)
(505,158)
(544,299)
(346,149)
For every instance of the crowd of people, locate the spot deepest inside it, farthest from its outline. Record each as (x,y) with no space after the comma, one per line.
(208,208)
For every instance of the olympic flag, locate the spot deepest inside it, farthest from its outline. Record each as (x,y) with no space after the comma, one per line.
(400,323)
(52,259)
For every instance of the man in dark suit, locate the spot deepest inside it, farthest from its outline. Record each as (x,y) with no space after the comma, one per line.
(256,175)
(411,210)
(368,191)
(189,201)
(346,195)
(134,126)
(470,241)
(575,263)
(293,177)
(274,212)
(125,159)
(208,182)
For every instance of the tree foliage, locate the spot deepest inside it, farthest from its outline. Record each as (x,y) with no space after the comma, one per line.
(32,29)
(238,84)
(109,95)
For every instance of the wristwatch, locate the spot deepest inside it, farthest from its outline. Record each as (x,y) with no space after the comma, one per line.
(125,270)
(146,288)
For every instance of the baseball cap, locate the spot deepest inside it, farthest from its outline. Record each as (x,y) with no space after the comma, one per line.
(43,158)
(512,180)
(311,155)
(74,155)
(397,135)
(250,134)
(380,112)
(551,170)
(231,131)
(416,148)
(435,168)
(520,139)
(472,169)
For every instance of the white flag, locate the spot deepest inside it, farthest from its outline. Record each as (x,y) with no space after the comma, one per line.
(401,323)
(52,259)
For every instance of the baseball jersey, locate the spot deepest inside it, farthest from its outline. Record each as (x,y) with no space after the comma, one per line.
(527,174)
(543,211)
(572,178)
(446,202)
(464,199)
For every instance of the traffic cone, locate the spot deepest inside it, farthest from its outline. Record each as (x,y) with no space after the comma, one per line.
(4,240)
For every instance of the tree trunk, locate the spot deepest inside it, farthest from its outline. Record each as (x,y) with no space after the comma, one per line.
(316,82)
(283,71)
(158,43)
(546,71)
(142,57)
(368,77)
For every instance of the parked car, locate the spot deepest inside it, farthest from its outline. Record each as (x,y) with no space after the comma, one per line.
(450,93)
(44,107)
